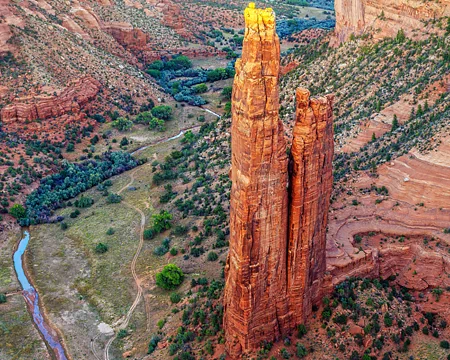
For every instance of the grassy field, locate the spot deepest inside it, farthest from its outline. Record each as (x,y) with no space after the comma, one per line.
(19,338)
(82,288)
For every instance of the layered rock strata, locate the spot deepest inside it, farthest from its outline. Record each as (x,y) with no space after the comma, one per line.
(44,107)
(255,303)
(385,17)
(311,182)
(278,217)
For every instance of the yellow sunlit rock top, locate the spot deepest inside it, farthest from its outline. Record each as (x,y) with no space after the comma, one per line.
(257,18)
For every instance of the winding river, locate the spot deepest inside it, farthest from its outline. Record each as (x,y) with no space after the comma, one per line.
(32,300)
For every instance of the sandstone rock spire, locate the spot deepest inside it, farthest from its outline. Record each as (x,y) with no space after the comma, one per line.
(311,183)
(255,301)
(276,263)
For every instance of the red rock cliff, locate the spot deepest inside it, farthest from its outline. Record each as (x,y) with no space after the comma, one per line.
(44,107)
(385,17)
(276,261)
(255,301)
(311,183)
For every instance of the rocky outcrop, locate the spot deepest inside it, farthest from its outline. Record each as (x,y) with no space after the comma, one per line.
(255,303)
(126,35)
(276,263)
(311,183)
(44,107)
(385,17)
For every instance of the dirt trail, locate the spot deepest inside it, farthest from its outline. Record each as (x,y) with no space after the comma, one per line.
(122,323)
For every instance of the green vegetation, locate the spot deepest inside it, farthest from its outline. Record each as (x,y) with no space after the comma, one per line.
(72,180)
(101,248)
(17,211)
(122,124)
(2,298)
(170,277)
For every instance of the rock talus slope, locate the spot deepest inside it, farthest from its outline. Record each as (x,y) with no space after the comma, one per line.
(276,264)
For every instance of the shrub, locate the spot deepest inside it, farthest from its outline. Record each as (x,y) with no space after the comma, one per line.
(110,231)
(445,344)
(122,334)
(301,331)
(122,124)
(163,249)
(64,226)
(163,112)
(174,251)
(153,343)
(175,298)
(387,320)
(2,298)
(161,323)
(170,277)
(212,256)
(301,351)
(84,202)
(200,88)
(113,199)
(157,124)
(149,234)
(101,248)
(17,211)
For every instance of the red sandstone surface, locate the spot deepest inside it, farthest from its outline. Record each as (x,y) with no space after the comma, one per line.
(311,182)
(417,206)
(35,113)
(276,263)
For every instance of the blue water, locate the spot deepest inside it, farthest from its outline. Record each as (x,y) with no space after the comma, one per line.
(18,262)
(32,298)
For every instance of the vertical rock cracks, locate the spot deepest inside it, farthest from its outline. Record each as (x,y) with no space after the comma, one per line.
(278,217)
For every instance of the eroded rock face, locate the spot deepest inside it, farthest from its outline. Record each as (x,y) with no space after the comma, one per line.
(255,300)
(44,107)
(311,183)
(385,17)
(126,35)
(276,264)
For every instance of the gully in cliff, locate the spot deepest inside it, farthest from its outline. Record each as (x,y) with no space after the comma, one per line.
(276,264)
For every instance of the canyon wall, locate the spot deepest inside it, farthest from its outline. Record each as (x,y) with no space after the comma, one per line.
(44,107)
(278,213)
(385,17)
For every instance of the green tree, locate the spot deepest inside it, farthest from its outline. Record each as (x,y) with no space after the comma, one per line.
(200,88)
(17,211)
(144,118)
(227,92)
(401,37)
(163,112)
(162,221)
(2,298)
(395,124)
(157,124)
(170,277)
(188,137)
(212,256)
(122,124)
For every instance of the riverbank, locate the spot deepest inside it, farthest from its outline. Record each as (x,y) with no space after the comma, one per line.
(19,337)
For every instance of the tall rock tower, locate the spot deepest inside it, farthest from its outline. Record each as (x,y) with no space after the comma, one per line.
(279,206)
(311,183)
(255,301)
